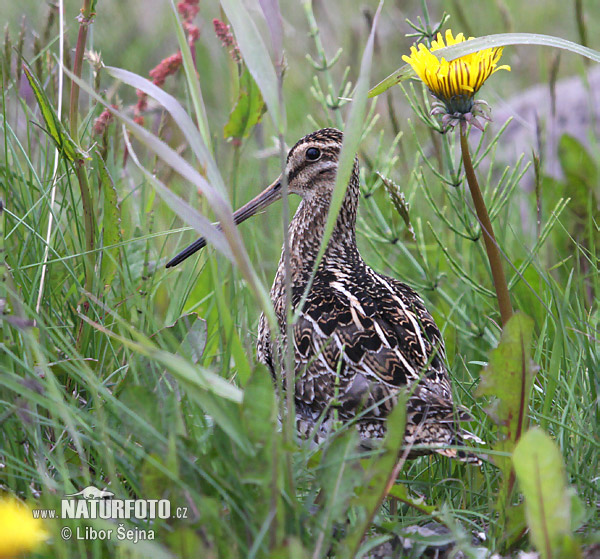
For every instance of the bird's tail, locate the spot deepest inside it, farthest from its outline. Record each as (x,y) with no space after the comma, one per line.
(439,431)
(461,452)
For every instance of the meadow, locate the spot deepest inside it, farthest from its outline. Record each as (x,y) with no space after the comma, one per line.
(121,374)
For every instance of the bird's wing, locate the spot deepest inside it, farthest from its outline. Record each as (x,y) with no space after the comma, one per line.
(386,335)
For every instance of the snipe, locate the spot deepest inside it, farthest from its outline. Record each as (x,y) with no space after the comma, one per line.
(377,326)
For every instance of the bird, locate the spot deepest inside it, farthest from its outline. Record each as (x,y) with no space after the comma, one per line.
(360,337)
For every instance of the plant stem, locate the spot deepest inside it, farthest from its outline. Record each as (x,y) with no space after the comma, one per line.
(88,258)
(84,21)
(315,34)
(491,246)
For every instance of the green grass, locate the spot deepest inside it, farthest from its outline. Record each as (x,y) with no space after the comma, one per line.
(108,386)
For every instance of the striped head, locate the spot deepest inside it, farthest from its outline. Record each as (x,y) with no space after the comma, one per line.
(310,171)
(312,163)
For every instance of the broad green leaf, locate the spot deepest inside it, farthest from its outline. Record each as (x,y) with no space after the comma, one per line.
(111,223)
(259,410)
(185,337)
(509,376)
(581,177)
(540,471)
(230,333)
(54,126)
(486,42)
(143,401)
(159,471)
(508,379)
(257,58)
(184,541)
(577,164)
(247,111)
(194,342)
(514,525)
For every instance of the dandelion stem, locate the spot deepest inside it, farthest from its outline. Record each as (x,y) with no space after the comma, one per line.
(491,246)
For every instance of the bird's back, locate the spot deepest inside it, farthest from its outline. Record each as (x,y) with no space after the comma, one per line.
(360,338)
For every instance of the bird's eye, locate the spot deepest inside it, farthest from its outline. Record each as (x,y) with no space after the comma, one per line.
(312,154)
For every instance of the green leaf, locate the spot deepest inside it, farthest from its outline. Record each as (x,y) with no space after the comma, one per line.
(54,126)
(486,42)
(185,337)
(577,164)
(259,410)
(509,376)
(541,475)
(581,178)
(401,74)
(230,331)
(143,401)
(185,542)
(508,379)
(111,223)
(247,111)
(257,58)
(156,481)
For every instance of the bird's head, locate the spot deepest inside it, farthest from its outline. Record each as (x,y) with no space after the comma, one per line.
(310,171)
(312,163)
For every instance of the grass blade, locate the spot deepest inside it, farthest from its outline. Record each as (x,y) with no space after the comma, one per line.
(192,80)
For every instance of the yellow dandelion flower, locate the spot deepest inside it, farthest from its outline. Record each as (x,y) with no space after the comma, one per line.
(19,531)
(455,83)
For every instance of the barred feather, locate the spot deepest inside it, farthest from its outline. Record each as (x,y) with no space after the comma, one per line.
(360,336)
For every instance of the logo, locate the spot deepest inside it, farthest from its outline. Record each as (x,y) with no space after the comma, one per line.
(91,492)
(92,502)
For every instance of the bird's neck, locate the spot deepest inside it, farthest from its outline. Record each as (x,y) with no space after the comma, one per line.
(306,232)
(308,227)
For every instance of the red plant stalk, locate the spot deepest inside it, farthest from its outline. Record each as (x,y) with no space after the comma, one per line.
(491,246)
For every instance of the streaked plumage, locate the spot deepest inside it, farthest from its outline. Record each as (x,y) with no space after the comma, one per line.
(360,336)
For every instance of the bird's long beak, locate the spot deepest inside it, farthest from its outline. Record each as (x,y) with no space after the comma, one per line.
(269,195)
